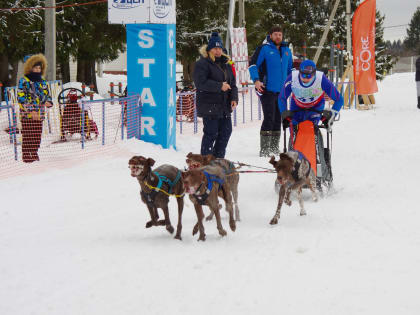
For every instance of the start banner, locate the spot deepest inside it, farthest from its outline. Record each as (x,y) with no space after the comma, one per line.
(363,28)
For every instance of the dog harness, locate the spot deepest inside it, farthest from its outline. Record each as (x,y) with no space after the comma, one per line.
(201,199)
(301,158)
(150,197)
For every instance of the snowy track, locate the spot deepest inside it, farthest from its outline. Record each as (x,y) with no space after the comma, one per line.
(72,241)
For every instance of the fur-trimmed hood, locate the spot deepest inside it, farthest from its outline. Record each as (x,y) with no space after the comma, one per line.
(204,53)
(32,61)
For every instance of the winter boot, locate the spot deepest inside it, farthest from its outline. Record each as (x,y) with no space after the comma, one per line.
(274,144)
(265,142)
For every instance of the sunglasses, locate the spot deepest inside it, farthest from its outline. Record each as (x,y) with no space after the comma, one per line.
(307,72)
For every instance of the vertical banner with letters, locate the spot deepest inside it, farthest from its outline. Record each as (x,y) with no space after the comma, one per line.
(363,34)
(151,63)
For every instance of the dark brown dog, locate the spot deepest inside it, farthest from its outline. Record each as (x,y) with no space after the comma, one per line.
(293,172)
(170,180)
(232,175)
(204,185)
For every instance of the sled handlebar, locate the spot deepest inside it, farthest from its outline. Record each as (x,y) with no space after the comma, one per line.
(334,117)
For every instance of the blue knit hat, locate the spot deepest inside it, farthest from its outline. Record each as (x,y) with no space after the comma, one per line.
(307,68)
(214,41)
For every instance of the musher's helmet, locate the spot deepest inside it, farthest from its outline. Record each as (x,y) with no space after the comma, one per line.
(307,69)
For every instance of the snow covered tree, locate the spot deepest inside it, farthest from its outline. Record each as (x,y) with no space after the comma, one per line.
(412,41)
(20,34)
(384,61)
(195,22)
(84,33)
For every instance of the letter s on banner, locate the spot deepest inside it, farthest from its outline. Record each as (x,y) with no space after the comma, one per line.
(363,28)
(147,39)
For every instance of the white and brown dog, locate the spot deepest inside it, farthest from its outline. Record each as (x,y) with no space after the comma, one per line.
(293,172)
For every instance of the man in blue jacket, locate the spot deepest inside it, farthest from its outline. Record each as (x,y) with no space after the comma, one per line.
(269,67)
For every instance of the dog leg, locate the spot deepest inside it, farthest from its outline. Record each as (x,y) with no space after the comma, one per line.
(200,216)
(302,209)
(311,185)
(168,224)
(210,216)
(235,200)
(276,217)
(287,200)
(152,212)
(180,201)
(229,208)
(216,211)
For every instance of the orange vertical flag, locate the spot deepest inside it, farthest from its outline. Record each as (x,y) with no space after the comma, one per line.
(363,34)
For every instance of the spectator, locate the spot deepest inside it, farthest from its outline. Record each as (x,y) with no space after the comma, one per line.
(217,96)
(418,81)
(270,65)
(33,96)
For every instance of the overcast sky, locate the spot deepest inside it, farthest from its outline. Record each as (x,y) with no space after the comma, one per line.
(397,12)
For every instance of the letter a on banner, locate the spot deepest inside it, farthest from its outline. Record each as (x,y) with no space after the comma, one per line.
(363,28)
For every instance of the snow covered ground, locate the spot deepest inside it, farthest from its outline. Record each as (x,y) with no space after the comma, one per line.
(72,240)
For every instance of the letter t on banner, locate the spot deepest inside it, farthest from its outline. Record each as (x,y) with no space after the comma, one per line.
(151,62)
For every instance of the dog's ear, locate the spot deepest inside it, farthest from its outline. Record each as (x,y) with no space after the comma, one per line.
(150,162)
(285,157)
(273,161)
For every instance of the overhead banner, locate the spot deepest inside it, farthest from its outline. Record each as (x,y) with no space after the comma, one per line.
(141,11)
(151,71)
(363,29)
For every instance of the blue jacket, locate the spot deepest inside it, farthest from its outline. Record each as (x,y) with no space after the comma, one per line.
(271,63)
(299,116)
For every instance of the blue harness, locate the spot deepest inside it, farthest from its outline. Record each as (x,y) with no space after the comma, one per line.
(201,199)
(150,197)
(163,179)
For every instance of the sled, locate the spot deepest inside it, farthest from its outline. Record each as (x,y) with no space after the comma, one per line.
(71,116)
(308,139)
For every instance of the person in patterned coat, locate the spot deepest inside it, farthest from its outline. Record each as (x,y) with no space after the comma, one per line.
(33,98)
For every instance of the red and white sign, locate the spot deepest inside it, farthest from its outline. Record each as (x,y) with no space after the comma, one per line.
(239,54)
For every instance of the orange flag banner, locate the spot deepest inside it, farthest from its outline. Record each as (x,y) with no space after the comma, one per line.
(363,34)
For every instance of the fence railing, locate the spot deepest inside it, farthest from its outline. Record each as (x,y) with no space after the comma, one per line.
(70,130)
(247,111)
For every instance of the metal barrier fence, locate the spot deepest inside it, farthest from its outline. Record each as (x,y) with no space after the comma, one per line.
(247,111)
(68,131)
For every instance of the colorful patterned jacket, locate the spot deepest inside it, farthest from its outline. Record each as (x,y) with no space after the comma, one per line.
(32,97)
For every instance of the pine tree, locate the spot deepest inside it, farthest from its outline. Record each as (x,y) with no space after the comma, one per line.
(384,61)
(84,33)
(20,35)
(412,41)
(195,22)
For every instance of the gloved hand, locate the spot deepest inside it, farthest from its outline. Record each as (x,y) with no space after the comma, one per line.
(286,118)
(326,116)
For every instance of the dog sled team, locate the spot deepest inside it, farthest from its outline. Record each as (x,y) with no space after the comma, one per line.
(304,163)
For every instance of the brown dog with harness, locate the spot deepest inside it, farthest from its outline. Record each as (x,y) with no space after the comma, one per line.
(231,173)
(204,185)
(293,172)
(156,187)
